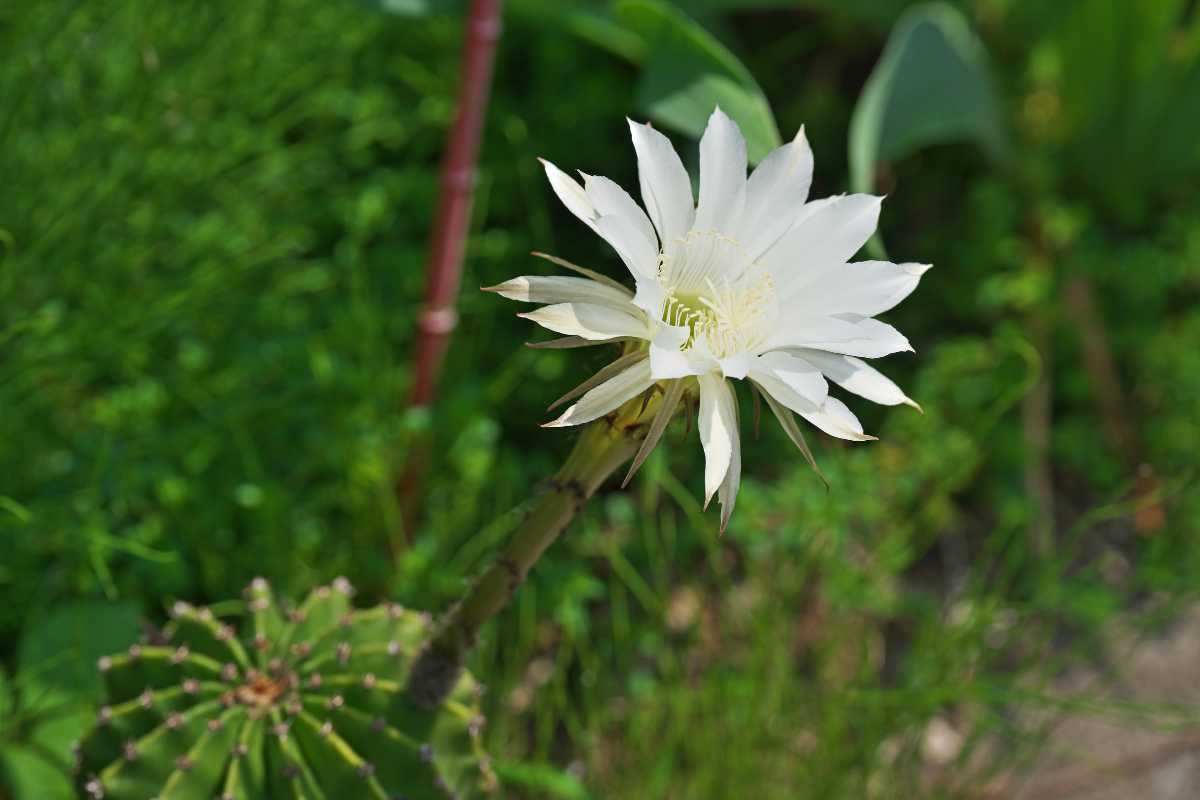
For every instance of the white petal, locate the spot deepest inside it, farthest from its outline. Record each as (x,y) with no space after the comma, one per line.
(850,334)
(727,493)
(666,187)
(666,359)
(737,365)
(775,386)
(639,255)
(608,396)
(800,376)
(837,420)
(718,429)
(722,176)
(775,194)
(559,289)
(570,193)
(609,198)
(829,234)
(588,321)
(855,375)
(650,296)
(864,287)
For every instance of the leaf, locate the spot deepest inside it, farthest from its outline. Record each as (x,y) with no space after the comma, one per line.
(600,28)
(686,72)
(59,652)
(931,86)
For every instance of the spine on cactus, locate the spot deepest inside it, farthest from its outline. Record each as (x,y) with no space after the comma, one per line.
(303,702)
(603,446)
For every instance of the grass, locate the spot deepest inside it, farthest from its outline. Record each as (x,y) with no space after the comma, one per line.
(211,252)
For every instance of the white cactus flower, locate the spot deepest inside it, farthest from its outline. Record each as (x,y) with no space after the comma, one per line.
(751,282)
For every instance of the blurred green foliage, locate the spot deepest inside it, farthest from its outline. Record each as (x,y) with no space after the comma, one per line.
(211,257)
(931,86)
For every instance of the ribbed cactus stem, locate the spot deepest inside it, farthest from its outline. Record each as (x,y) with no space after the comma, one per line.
(305,701)
(604,445)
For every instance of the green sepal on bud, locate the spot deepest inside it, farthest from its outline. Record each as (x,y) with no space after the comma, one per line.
(305,702)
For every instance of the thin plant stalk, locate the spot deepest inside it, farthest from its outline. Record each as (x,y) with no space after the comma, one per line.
(458,174)
(603,446)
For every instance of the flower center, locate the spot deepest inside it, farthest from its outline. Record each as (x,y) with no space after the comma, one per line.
(724,299)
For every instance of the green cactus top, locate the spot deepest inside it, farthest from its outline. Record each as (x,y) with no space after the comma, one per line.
(304,703)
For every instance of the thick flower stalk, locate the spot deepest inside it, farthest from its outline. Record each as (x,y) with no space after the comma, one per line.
(752,282)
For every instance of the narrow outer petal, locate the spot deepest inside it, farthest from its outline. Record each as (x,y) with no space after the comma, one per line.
(607,397)
(722,176)
(560,289)
(727,493)
(666,187)
(718,428)
(855,375)
(838,421)
(775,195)
(588,321)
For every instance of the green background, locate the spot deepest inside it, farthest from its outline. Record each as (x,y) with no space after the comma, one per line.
(214,219)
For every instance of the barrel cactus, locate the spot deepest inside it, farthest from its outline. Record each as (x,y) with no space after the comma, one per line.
(305,701)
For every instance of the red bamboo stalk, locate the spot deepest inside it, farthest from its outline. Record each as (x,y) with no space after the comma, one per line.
(438,317)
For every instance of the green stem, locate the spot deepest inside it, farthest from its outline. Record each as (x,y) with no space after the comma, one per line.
(605,445)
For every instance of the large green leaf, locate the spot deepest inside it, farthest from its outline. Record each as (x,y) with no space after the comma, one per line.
(686,72)
(58,652)
(930,86)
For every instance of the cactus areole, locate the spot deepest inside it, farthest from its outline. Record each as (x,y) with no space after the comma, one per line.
(303,702)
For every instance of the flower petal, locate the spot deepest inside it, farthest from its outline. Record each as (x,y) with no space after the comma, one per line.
(831,415)
(800,376)
(727,493)
(650,296)
(718,430)
(855,375)
(609,198)
(639,255)
(828,234)
(588,320)
(775,195)
(667,360)
(607,397)
(722,176)
(570,193)
(737,365)
(838,421)
(849,334)
(559,289)
(864,287)
(666,187)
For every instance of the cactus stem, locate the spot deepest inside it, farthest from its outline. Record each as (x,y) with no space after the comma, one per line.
(604,445)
